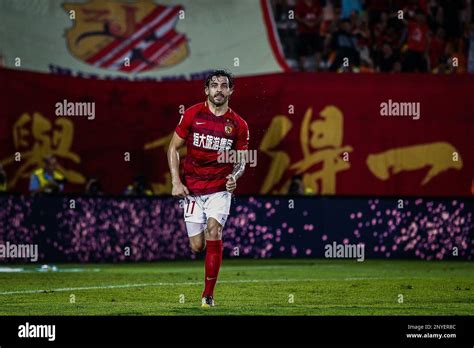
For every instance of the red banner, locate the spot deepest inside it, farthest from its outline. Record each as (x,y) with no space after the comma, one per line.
(347,134)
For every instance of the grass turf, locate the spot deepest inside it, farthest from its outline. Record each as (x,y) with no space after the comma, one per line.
(245,287)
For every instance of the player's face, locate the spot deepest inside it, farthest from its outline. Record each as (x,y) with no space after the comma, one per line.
(218,91)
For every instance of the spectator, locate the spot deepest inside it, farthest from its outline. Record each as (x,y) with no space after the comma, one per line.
(417,44)
(364,51)
(344,43)
(437,47)
(328,17)
(296,185)
(287,30)
(442,66)
(387,59)
(457,60)
(349,7)
(139,187)
(470,38)
(451,17)
(48,179)
(3,180)
(308,14)
(94,187)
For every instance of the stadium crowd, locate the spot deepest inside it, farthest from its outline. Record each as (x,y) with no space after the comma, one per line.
(434,36)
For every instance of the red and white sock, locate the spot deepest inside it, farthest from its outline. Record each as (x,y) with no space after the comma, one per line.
(212,265)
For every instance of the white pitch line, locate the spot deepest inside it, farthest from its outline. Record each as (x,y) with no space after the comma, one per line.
(163,270)
(124,286)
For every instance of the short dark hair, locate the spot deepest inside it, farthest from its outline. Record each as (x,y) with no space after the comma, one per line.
(218,73)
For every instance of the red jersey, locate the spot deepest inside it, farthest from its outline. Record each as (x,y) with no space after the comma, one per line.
(206,135)
(417,36)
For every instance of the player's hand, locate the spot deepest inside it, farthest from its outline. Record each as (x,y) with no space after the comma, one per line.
(231,184)
(179,190)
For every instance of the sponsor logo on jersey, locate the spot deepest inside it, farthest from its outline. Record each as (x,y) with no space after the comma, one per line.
(211,142)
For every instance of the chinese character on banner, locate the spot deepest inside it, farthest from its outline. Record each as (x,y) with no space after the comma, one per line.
(165,186)
(436,156)
(36,137)
(321,147)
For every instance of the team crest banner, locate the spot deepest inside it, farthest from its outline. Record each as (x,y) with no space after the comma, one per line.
(140,39)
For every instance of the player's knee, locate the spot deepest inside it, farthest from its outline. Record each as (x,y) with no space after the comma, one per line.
(214,234)
(197,244)
(214,231)
(197,247)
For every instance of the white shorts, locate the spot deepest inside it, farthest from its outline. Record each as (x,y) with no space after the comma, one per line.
(197,209)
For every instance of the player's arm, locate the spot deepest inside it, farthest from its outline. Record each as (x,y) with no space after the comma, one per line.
(176,143)
(239,167)
(237,172)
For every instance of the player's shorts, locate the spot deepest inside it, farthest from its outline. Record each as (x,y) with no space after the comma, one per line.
(197,209)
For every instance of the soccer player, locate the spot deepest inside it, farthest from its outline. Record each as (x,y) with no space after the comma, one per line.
(208,129)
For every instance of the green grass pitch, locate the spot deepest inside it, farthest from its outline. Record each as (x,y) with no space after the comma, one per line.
(245,287)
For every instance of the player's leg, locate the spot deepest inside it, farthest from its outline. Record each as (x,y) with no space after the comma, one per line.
(197,241)
(213,235)
(216,208)
(195,223)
